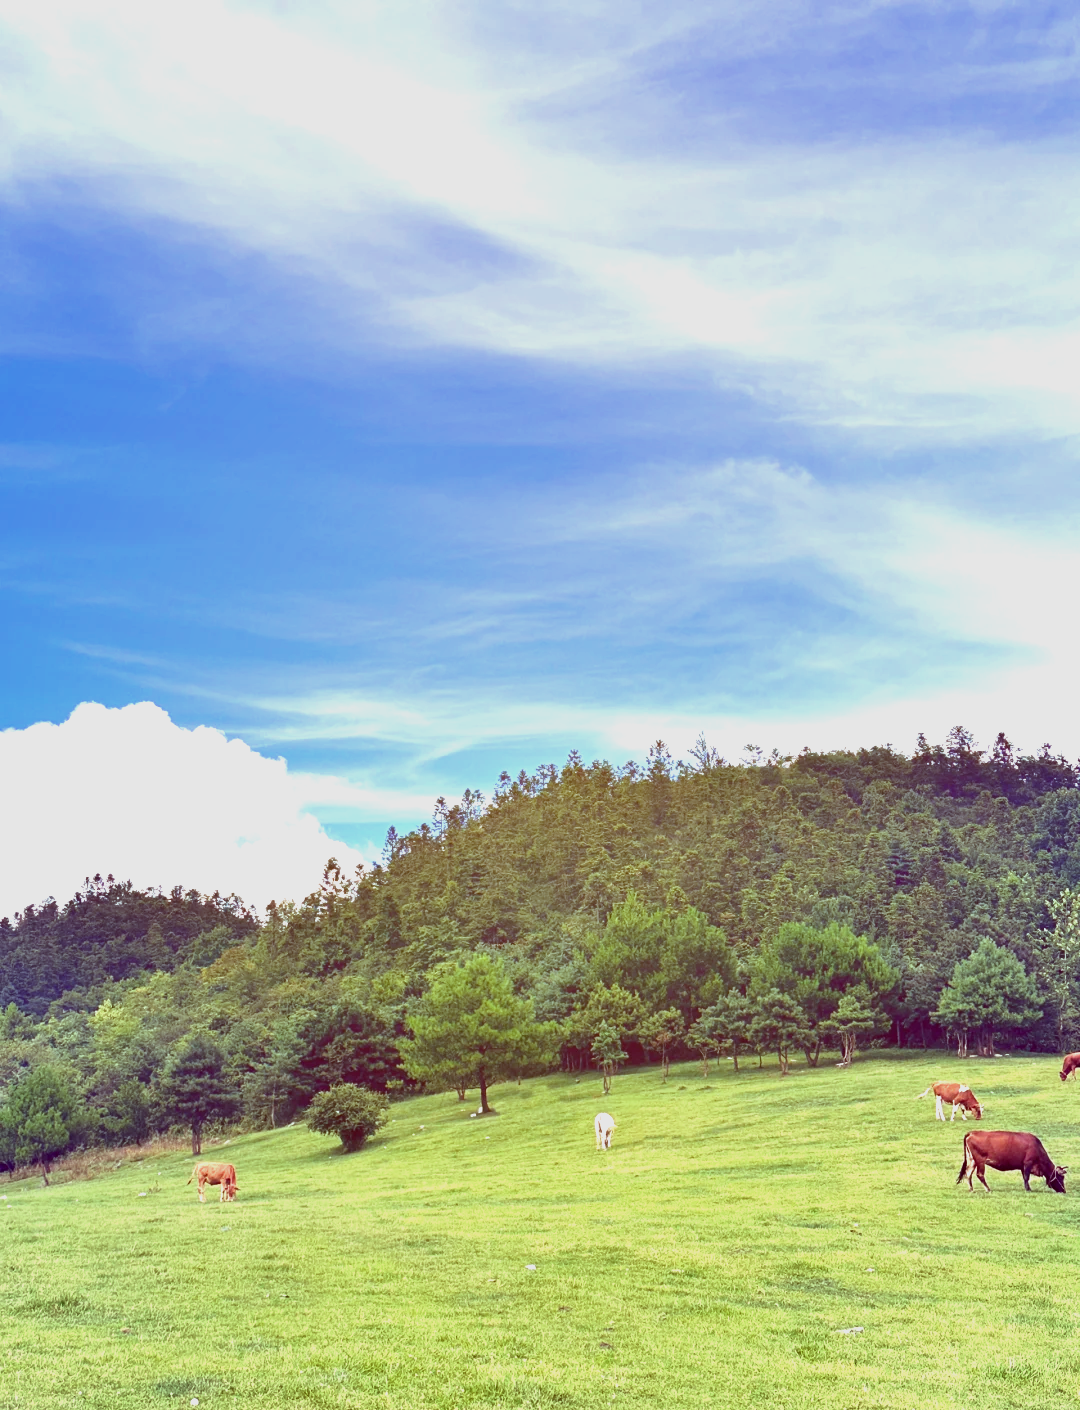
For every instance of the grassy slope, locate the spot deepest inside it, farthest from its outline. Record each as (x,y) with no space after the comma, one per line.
(708,1258)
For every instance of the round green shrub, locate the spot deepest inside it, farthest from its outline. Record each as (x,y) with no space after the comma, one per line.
(350,1112)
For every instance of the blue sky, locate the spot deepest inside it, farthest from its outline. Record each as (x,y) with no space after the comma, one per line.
(412,392)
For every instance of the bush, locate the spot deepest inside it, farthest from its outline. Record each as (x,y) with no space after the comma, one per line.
(349,1112)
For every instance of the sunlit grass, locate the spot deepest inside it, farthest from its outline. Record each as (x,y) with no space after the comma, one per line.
(712,1257)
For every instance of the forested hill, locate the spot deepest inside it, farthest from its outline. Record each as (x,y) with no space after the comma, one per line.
(924,854)
(110,931)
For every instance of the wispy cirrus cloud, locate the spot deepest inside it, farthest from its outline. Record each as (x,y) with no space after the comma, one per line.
(605,187)
(463,384)
(901,613)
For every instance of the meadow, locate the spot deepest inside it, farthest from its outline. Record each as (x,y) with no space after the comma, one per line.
(719,1253)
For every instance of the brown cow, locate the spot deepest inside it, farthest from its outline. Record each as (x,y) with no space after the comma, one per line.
(960,1097)
(1069,1063)
(1010,1150)
(209,1172)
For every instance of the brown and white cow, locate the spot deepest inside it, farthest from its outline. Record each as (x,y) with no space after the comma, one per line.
(961,1098)
(1009,1150)
(604,1126)
(1069,1063)
(209,1172)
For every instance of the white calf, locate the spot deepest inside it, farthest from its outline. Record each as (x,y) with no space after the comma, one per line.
(604,1125)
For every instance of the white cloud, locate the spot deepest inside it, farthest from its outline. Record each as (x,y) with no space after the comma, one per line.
(127,791)
(912,280)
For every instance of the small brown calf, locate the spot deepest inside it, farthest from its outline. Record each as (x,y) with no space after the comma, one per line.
(209,1172)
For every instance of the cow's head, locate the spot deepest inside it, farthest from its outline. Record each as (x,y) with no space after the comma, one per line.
(1063,1074)
(975,1105)
(1056,1181)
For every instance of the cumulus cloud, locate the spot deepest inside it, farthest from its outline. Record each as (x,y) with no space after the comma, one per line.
(129,792)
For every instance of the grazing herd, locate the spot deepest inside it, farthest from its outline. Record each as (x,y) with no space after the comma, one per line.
(1001,1150)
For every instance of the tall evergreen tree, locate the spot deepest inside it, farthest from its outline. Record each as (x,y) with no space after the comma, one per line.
(196,1090)
(989,993)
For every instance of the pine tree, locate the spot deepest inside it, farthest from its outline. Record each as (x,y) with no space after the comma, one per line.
(195,1089)
(989,992)
(607,1051)
(660,1031)
(40,1120)
(470,1027)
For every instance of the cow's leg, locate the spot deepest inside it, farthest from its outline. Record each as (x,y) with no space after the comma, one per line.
(202,1196)
(980,1169)
(1026,1171)
(940,1112)
(953,1116)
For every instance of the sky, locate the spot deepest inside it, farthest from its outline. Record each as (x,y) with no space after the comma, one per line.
(397,393)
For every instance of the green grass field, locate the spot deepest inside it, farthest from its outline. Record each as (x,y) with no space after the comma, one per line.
(712,1257)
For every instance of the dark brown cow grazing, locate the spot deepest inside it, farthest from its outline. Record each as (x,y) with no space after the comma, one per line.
(209,1172)
(961,1098)
(1009,1150)
(1069,1063)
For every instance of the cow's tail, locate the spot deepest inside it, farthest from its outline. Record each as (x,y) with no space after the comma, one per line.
(928,1093)
(193,1174)
(963,1168)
